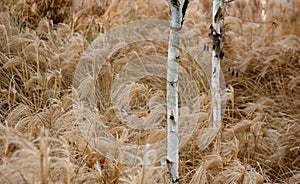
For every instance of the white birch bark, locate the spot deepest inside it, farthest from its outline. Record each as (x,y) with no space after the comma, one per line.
(172,89)
(215,76)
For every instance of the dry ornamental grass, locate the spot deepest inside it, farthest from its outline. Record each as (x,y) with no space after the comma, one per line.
(41,43)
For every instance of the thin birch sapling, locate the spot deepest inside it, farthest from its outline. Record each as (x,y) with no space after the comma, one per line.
(217,54)
(177,14)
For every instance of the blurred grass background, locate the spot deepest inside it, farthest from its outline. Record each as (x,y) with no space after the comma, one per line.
(42,42)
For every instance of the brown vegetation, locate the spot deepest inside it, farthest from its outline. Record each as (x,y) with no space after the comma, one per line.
(41,42)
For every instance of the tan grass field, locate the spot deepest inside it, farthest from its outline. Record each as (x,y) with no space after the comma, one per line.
(42,41)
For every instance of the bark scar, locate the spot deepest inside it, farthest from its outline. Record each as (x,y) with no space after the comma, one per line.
(173,83)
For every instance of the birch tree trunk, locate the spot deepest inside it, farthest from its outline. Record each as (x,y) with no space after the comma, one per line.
(172,89)
(215,76)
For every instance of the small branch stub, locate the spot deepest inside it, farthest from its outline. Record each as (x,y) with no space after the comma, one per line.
(172,116)
(173,83)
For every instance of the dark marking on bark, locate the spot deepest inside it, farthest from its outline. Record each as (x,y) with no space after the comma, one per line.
(175,3)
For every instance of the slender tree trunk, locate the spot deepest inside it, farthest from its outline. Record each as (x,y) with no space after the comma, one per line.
(172,89)
(215,76)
